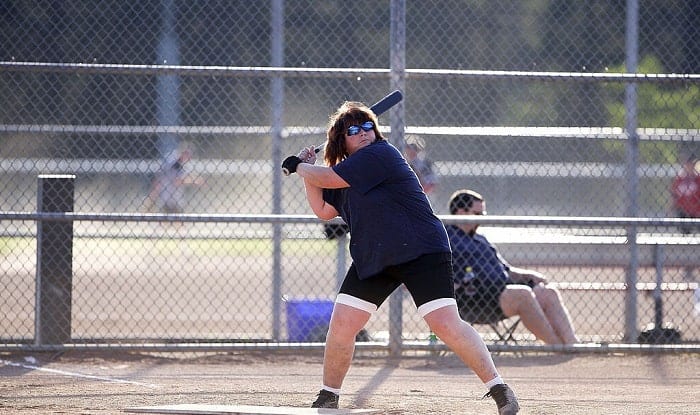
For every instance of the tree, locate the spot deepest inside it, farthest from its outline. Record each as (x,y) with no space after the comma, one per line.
(659,105)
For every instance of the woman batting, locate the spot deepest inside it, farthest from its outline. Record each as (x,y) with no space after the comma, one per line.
(395,239)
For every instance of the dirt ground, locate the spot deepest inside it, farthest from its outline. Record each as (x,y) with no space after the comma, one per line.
(107,382)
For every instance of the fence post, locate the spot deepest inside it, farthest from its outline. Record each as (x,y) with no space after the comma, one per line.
(277,126)
(398,74)
(341,260)
(54,262)
(631,122)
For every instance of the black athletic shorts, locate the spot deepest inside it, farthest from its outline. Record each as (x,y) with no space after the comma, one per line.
(427,278)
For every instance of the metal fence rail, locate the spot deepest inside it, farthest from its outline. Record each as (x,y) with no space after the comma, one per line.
(98,319)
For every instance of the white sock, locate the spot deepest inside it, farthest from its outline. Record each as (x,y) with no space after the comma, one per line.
(493,382)
(329,389)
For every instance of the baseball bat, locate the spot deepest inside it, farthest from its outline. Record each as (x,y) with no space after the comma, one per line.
(381,106)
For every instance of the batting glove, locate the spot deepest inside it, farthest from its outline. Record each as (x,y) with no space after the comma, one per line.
(289,165)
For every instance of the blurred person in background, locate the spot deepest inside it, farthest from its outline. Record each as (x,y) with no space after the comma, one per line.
(685,191)
(488,288)
(415,154)
(168,187)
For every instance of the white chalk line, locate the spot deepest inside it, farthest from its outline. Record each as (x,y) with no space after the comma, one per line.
(77,375)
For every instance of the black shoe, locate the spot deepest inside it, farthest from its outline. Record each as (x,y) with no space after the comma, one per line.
(326,399)
(505,399)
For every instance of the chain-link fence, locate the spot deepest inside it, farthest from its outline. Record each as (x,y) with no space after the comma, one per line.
(173,117)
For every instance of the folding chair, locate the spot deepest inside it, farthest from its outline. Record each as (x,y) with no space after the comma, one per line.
(503,327)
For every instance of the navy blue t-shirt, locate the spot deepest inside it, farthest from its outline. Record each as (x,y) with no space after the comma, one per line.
(475,258)
(389,216)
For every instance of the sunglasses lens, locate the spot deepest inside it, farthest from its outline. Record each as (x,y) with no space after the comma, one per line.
(355,129)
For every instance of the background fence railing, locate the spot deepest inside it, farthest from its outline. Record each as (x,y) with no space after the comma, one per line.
(128,271)
(550,109)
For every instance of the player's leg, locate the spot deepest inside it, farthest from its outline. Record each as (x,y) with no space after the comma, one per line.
(354,305)
(462,339)
(467,344)
(346,322)
(429,280)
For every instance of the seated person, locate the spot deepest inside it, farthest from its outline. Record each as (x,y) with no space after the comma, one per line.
(489,289)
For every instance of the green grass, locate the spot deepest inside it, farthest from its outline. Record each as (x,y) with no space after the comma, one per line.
(11,244)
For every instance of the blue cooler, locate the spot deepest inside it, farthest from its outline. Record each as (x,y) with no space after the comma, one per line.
(307,320)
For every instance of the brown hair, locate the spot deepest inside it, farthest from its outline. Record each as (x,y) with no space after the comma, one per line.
(350,113)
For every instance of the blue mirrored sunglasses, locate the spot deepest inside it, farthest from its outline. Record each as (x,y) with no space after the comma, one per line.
(355,129)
